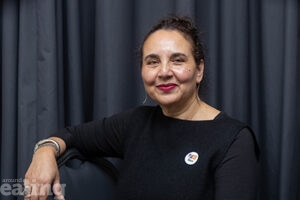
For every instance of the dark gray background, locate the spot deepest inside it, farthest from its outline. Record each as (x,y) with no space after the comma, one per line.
(64,62)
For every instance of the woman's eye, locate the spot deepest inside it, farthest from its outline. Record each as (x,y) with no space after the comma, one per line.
(152,62)
(178,61)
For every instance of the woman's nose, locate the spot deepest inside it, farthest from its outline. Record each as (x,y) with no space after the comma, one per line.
(165,70)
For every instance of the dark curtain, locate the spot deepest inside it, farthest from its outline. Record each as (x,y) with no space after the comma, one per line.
(67,62)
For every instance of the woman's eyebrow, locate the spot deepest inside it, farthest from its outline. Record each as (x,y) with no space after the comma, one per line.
(151,56)
(178,55)
(173,55)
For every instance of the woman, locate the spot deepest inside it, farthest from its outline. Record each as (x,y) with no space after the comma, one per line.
(182,148)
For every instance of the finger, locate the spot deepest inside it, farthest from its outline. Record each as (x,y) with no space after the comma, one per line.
(27,189)
(27,192)
(57,189)
(35,190)
(44,191)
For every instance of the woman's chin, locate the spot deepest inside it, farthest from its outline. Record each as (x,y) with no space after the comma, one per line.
(167,103)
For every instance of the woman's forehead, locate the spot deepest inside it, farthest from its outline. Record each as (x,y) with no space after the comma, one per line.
(167,40)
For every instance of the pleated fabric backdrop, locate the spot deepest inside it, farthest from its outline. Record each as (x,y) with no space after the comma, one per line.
(67,62)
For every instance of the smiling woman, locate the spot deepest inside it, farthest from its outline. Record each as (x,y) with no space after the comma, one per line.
(170,72)
(182,148)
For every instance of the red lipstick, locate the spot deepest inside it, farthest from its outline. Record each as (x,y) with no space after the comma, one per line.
(166,87)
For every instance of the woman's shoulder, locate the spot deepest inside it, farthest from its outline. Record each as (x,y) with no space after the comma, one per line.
(226,118)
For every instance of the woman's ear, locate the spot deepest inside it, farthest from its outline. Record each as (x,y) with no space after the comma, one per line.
(200,71)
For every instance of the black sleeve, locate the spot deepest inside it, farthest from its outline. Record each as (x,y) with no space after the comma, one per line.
(236,177)
(97,138)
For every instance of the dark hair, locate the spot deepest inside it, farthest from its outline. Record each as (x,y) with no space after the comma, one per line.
(186,26)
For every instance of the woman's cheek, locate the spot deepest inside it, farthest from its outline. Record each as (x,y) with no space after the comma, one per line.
(149,76)
(183,74)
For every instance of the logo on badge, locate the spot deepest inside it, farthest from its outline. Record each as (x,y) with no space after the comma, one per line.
(191,158)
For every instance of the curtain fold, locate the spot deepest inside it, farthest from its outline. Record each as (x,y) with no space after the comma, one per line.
(67,62)
(9,89)
(290,100)
(73,61)
(114,53)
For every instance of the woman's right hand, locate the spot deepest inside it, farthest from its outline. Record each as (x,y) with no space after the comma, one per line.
(42,175)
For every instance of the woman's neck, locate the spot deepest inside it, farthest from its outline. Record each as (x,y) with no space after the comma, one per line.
(194,111)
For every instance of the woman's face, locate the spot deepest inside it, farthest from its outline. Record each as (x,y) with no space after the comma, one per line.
(169,71)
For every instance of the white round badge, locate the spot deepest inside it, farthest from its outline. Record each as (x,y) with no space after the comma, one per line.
(191,158)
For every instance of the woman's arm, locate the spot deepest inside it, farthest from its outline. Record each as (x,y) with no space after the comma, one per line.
(43,172)
(236,177)
(96,138)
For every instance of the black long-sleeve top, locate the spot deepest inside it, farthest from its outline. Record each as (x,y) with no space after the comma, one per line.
(167,158)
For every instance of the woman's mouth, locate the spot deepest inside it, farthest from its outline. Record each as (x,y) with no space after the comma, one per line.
(166,87)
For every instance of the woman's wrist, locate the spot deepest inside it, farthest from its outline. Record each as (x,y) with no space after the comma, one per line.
(54,144)
(46,150)
(48,143)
